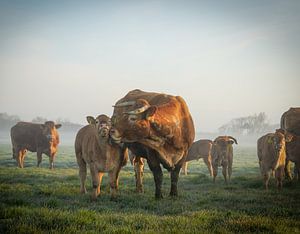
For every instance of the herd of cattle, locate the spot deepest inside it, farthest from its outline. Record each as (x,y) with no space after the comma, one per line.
(159,128)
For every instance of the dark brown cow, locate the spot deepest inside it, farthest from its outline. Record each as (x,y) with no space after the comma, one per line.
(200,149)
(290,122)
(158,127)
(222,155)
(272,155)
(93,146)
(40,138)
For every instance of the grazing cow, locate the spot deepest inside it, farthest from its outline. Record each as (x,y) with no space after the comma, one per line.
(271,155)
(158,127)
(93,146)
(222,155)
(39,138)
(200,149)
(290,122)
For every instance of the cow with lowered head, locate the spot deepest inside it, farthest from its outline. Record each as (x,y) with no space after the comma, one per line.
(158,127)
(271,154)
(94,147)
(40,138)
(222,155)
(200,149)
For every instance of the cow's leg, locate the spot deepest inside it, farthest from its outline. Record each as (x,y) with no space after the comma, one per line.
(20,158)
(139,172)
(229,169)
(287,169)
(184,168)
(207,161)
(215,172)
(51,162)
(24,151)
(82,173)
(100,175)
(39,157)
(297,171)
(266,176)
(174,180)
(157,174)
(225,171)
(95,181)
(113,182)
(279,176)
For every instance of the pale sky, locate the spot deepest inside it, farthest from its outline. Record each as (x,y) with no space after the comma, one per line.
(227,59)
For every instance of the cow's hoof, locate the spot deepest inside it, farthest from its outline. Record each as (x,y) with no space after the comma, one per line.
(158,196)
(173,194)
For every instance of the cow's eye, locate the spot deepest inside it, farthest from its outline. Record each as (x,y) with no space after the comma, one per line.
(132,118)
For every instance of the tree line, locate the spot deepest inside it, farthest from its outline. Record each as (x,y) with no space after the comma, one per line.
(250,125)
(7,121)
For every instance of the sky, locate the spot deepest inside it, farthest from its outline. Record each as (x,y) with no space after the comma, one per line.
(227,59)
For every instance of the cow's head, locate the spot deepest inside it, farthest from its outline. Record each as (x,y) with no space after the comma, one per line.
(102,123)
(50,139)
(131,120)
(222,147)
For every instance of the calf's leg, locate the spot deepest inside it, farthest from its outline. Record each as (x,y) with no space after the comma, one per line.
(138,163)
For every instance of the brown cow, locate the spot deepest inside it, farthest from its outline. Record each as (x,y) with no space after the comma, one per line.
(158,127)
(271,155)
(222,155)
(93,146)
(200,149)
(40,138)
(290,122)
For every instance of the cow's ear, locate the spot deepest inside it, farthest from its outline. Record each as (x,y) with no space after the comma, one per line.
(231,142)
(150,111)
(57,126)
(90,119)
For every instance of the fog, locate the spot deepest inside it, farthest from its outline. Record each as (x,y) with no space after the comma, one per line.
(69,59)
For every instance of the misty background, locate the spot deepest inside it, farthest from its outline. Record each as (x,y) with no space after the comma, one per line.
(232,61)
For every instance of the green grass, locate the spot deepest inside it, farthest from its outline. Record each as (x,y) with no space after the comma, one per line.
(39,200)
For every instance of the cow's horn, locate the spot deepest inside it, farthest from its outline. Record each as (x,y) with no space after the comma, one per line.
(123,104)
(235,141)
(138,111)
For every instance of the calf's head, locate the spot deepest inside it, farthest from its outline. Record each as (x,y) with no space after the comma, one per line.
(102,124)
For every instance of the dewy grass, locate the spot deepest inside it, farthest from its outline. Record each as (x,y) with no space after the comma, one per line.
(39,200)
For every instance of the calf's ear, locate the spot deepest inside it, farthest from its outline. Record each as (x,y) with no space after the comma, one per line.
(57,126)
(91,120)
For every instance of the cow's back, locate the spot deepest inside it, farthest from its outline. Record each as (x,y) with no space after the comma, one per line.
(26,135)
(199,149)
(290,121)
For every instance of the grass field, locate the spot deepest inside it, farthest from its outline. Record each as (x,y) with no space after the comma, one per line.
(39,200)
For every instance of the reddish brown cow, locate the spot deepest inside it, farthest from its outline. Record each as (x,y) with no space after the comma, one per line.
(40,138)
(200,149)
(93,146)
(158,127)
(222,155)
(271,155)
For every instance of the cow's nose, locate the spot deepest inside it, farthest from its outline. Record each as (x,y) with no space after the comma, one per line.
(112,131)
